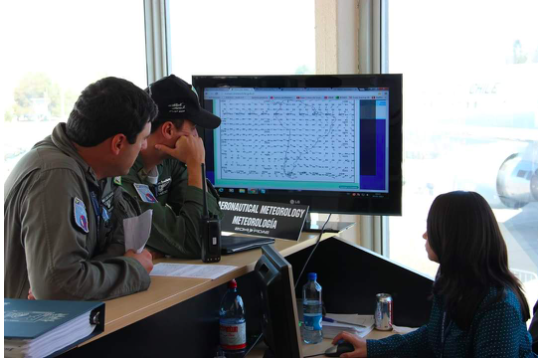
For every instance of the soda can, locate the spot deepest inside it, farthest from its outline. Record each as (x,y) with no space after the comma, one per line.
(383,312)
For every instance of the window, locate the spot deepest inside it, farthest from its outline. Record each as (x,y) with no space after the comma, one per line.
(470,120)
(242,37)
(57,48)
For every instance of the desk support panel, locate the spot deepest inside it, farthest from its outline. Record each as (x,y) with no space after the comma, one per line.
(351,277)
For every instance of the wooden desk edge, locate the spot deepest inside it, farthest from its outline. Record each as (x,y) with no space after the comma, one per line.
(196,289)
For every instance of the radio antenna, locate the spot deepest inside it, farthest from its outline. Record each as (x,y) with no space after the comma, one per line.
(204,188)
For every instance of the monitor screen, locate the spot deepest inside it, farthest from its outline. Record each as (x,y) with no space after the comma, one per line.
(331,142)
(280,321)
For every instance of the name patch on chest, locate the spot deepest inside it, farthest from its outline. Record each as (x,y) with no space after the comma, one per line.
(163,186)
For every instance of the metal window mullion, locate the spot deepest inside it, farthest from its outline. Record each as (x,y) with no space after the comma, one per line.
(384,36)
(384,67)
(156,19)
(372,228)
(376,37)
(365,36)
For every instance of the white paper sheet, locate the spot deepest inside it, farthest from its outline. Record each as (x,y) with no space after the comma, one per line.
(190,270)
(136,231)
(358,319)
(330,330)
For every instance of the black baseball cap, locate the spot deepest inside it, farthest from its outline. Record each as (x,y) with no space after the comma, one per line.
(178,100)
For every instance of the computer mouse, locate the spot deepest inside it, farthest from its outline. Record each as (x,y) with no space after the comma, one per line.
(340,348)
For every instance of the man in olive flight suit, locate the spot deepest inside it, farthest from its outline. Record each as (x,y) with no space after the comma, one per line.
(61,234)
(166,176)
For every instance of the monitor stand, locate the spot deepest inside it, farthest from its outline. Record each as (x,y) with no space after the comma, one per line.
(332,227)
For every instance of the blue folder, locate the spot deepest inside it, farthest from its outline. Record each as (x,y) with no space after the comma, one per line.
(34,320)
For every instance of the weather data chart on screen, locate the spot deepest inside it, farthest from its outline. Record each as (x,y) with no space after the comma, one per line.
(319,139)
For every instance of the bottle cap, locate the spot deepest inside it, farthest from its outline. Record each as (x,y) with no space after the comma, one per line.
(232,284)
(312,276)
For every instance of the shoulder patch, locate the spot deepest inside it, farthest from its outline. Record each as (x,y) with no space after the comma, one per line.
(81,217)
(144,193)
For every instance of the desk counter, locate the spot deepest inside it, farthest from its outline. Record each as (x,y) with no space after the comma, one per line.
(165,292)
(178,317)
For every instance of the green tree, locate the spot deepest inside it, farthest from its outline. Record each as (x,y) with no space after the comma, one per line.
(32,86)
(35,87)
(8,116)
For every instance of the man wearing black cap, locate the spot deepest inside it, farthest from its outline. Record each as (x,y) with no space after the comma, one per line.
(166,176)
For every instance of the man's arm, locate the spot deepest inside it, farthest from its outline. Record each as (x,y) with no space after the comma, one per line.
(176,224)
(59,254)
(179,186)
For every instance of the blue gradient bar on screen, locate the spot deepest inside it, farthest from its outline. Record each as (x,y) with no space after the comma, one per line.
(373,141)
(377,181)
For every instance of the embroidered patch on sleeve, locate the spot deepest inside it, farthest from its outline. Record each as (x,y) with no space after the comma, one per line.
(81,217)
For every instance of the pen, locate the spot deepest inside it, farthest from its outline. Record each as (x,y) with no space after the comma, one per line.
(331,320)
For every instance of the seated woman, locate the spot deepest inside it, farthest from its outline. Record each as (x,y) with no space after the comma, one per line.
(479,309)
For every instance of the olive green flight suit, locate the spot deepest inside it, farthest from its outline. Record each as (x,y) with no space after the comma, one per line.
(175,230)
(60,249)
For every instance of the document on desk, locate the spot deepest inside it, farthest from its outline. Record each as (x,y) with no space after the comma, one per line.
(357,324)
(212,271)
(136,231)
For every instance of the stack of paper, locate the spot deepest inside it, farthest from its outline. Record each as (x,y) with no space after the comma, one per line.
(360,325)
(190,270)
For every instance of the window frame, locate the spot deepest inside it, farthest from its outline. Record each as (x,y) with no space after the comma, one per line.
(157,32)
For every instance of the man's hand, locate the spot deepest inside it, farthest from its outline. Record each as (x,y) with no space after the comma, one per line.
(155,254)
(189,149)
(144,258)
(30,295)
(358,343)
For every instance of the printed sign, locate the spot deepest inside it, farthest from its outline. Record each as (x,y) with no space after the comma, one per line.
(263,219)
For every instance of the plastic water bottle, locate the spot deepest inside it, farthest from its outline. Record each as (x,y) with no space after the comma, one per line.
(312,331)
(233,335)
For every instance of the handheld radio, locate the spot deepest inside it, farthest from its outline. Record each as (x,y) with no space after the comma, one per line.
(210,229)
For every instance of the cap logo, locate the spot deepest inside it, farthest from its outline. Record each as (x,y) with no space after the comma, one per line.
(176,107)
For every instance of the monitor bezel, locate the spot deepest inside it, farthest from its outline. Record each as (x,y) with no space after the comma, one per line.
(329,201)
(280,320)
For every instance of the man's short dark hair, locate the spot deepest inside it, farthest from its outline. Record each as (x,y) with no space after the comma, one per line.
(109,107)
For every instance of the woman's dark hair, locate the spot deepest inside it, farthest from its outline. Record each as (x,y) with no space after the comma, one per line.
(464,234)
(108,107)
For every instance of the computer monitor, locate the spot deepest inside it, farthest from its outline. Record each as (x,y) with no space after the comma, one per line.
(332,142)
(280,320)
